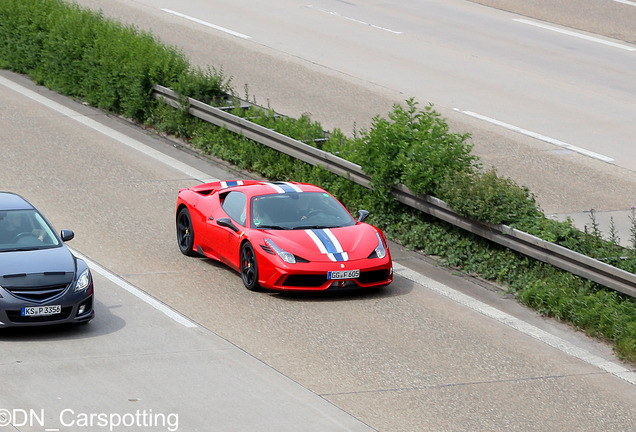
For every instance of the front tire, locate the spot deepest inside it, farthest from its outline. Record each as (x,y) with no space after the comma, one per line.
(185,232)
(249,267)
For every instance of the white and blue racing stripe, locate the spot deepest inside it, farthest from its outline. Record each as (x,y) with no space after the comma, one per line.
(227,184)
(328,244)
(284,187)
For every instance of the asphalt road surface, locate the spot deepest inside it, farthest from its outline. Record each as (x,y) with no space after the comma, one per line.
(433,351)
(140,366)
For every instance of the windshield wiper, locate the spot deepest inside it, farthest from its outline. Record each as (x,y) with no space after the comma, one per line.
(304,227)
(273,227)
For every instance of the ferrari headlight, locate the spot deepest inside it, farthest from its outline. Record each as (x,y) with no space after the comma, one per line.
(285,256)
(380,250)
(83,281)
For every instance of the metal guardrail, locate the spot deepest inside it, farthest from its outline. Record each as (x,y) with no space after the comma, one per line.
(526,244)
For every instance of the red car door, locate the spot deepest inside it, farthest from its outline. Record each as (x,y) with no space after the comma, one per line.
(224,228)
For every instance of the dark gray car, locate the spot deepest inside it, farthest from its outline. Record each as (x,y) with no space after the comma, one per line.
(41,281)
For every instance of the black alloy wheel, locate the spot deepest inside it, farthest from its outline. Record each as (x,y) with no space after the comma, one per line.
(249,267)
(185,233)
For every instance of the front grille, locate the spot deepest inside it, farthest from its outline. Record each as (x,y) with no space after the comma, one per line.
(343,284)
(308,281)
(37,294)
(373,276)
(16,316)
(305,280)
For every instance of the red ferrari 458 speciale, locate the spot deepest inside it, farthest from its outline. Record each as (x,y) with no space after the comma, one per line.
(282,235)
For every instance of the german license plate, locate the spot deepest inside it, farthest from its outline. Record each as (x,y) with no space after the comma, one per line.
(33,311)
(343,274)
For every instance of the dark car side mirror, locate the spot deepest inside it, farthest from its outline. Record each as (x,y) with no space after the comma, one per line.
(227,222)
(362,215)
(67,235)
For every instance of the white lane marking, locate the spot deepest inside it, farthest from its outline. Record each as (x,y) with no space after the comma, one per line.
(111,133)
(631,3)
(354,20)
(575,34)
(146,298)
(517,324)
(538,136)
(207,24)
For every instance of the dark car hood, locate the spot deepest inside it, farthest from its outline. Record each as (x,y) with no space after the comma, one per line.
(27,267)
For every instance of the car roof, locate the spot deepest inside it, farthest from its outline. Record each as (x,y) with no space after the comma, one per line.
(12,201)
(255,187)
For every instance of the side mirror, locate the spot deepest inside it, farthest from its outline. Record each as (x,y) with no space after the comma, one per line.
(67,235)
(362,215)
(227,222)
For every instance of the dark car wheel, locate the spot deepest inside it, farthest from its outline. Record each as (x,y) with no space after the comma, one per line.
(249,267)
(185,233)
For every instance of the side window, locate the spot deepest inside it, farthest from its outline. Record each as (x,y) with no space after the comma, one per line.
(235,205)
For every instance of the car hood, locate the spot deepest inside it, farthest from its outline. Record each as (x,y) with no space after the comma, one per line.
(38,267)
(328,245)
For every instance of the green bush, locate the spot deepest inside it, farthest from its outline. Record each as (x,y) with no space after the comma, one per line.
(601,313)
(414,148)
(79,53)
(486,197)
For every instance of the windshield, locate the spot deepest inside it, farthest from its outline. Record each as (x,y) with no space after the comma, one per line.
(25,230)
(300,210)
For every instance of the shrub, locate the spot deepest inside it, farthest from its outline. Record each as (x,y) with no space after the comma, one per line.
(414,148)
(81,54)
(486,197)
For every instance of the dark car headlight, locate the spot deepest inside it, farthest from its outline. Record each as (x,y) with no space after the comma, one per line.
(83,281)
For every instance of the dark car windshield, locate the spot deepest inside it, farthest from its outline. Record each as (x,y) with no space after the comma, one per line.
(25,230)
(299,210)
